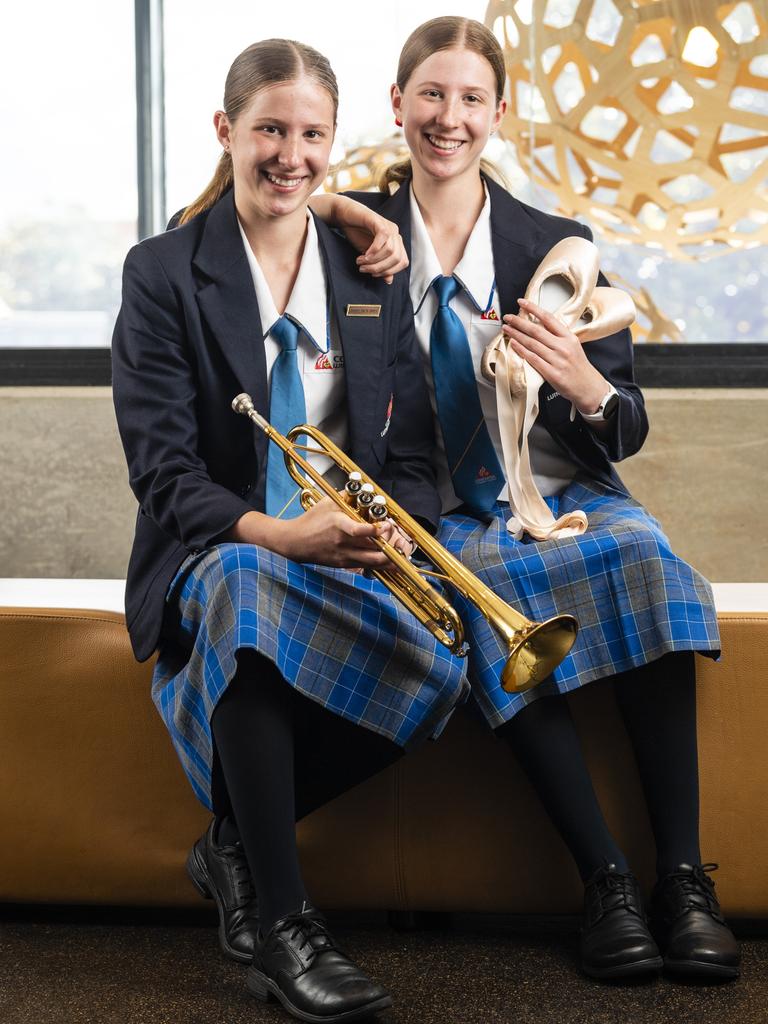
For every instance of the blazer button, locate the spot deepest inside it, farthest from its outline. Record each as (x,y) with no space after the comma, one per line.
(245,490)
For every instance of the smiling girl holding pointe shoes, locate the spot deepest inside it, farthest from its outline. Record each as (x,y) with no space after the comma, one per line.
(643,612)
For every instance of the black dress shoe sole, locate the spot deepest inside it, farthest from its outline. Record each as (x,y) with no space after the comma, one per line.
(701,969)
(199,877)
(262,987)
(636,969)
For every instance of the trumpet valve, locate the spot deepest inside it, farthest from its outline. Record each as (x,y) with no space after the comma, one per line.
(354,484)
(365,497)
(378,509)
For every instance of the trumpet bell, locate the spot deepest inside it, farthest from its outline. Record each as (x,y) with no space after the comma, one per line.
(537,652)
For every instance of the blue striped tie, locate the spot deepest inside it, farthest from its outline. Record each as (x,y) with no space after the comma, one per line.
(287,409)
(477,475)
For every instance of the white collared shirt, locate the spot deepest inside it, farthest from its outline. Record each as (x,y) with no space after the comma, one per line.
(319,354)
(477,306)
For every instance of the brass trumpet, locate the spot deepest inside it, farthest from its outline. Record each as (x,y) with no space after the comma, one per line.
(535,649)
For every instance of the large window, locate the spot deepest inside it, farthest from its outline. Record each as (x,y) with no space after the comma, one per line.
(69,208)
(68,205)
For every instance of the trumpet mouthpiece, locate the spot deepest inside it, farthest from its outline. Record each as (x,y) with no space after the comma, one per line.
(242,404)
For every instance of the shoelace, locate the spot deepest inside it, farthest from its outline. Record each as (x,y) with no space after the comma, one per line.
(245,893)
(698,883)
(618,888)
(309,926)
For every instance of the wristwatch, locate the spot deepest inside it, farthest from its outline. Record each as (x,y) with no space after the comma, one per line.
(607,409)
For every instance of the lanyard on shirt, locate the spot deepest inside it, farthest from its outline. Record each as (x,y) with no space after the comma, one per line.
(489,304)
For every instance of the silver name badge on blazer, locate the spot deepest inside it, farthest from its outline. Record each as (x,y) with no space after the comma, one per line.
(361,310)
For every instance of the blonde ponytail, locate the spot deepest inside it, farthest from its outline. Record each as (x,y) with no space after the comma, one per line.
(221,181)
(495,173)
(394,175)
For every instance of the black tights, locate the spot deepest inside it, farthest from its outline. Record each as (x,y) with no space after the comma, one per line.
(279,756)
(658,705)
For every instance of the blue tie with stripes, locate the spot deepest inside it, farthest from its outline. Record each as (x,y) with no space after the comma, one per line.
(475,470)
(287,409)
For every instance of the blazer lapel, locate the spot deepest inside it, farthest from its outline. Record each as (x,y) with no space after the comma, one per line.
(518,248)
(516,242)
(362,338)
(228,304)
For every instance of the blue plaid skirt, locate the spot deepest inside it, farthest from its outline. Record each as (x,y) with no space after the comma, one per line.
(336,636)
(634,599)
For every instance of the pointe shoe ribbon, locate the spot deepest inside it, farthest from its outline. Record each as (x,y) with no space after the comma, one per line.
(608,311)
(564,282)
(531,514)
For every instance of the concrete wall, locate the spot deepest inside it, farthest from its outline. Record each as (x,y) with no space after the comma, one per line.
(66,510)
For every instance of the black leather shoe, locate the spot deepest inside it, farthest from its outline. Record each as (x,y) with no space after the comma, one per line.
(298,962)
(221,873)
(691,928)
(615,940)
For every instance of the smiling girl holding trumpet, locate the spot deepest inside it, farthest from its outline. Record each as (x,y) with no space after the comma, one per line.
(542,517)
(283,677)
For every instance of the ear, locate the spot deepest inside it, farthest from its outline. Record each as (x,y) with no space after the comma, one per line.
(223,128)
(501,110)
(397,100)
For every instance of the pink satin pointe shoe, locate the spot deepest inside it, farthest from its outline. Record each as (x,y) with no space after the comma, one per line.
(565,279)
(609,310)
(564,284)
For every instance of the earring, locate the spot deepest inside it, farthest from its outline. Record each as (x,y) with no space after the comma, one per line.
(398,122)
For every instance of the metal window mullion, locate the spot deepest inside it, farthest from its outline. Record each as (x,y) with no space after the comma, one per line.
(150,116)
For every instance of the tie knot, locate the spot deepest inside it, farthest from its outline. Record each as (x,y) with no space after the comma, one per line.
(446,288)
(287,333)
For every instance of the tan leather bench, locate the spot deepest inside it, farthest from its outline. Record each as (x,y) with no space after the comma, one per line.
(95,808)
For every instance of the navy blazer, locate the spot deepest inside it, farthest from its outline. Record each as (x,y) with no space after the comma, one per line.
(521,236)
(187,340)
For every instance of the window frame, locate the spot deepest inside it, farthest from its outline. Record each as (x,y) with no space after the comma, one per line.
(668,365)
(683,365)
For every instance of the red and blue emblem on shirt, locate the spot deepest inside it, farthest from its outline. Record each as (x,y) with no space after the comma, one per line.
(484,476)
(330,361)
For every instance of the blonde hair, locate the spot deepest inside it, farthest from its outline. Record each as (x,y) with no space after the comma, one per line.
(262,64)
(446,33)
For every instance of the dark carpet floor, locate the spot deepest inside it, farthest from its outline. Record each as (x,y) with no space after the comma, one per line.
(63,968)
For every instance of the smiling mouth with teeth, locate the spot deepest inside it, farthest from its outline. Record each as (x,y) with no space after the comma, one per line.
(282,182)
(447,145)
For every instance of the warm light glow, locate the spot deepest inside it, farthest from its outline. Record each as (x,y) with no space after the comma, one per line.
(700,47)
